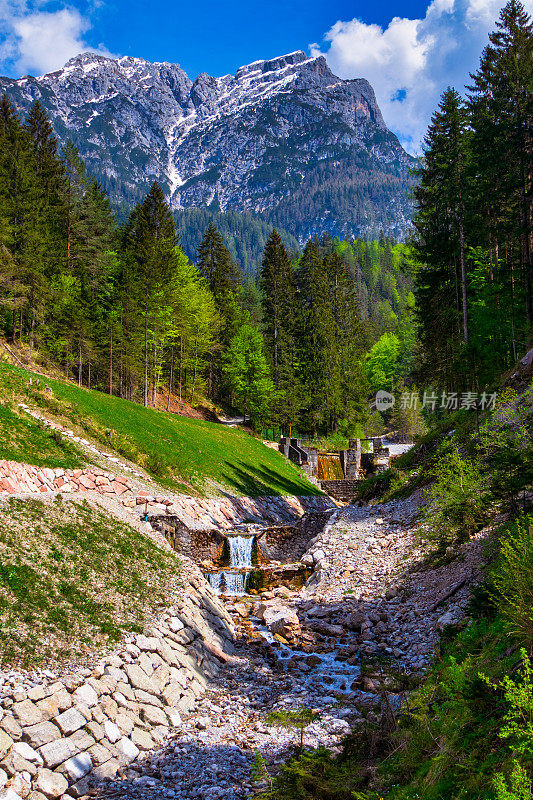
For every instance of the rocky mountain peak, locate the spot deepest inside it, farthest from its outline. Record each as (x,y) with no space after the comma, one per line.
(249,142)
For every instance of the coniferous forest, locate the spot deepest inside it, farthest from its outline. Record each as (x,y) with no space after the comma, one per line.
(473,237)
(304,338)
(121,308)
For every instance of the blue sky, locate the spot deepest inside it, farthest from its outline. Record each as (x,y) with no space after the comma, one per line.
(409,50)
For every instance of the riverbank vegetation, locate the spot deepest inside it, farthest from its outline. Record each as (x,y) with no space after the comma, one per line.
(464,732)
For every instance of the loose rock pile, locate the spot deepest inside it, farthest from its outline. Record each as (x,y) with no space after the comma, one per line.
(369,581)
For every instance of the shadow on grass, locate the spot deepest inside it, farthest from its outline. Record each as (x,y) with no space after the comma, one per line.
(262,481)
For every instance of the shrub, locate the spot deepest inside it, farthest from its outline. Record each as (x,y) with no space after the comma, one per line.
(512,579)
(506,442)
(519,787)
(458,498)
(517,728)
(157,466)
(296,719)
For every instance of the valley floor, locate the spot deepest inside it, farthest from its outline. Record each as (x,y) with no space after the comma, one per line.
(369,619)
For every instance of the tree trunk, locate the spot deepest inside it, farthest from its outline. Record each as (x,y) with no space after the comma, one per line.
(145,355)
(181,364)
(171,377)
(111,359)
(463,278)
(194,373)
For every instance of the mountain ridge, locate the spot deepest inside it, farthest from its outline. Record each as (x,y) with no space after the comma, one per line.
(267,140)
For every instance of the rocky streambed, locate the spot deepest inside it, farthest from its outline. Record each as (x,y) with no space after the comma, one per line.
(339,645)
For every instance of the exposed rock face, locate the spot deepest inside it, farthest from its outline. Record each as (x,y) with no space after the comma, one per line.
(284,137)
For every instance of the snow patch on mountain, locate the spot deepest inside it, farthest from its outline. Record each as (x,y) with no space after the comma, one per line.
(249,141)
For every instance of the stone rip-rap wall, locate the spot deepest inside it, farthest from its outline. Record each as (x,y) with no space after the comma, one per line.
(194,512)
(57,739)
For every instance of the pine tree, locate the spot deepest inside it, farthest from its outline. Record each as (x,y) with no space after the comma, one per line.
(223,277)
(501,105)
(221,273)
(281,320)
(150,241)
(440,227)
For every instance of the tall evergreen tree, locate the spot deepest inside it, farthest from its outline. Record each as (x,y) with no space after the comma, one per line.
(221,273)
(440,227)
(150,242)
(501,105)
(281,321)
(223,277)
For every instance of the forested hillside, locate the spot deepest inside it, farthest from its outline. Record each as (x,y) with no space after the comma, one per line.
(244,235)
(122,309)
(474,224)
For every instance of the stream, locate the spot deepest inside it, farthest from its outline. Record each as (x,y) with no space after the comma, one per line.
(233,581)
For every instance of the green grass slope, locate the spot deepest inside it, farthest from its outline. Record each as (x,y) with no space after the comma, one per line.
(75,584)
(185,454)
(26,440)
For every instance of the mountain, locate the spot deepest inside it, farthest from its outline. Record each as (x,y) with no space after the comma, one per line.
(285,139)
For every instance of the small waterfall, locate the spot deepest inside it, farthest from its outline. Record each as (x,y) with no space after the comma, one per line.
(234,580)
(236,583)
(330,467)
(230,583)
(215,581)
(240,551)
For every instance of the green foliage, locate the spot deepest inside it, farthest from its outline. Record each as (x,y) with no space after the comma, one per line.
(513,579)
(381,363)
(259,770)
(124,311)
(474,214)
(202,455)
(248,374)
(81,577)
(518,788)
(517,729)
(506,445)
(29,441)
(297,719)
(518,721)
(459,497)
(244,235)
(407,418)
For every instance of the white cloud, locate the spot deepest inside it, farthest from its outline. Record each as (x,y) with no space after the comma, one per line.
(412,61)
(37,41)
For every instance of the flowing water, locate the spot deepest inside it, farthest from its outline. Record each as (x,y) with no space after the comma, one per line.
(234,580)
(240,551)
(338,676)
(330,467)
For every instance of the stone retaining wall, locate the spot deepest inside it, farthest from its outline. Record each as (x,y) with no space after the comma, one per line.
(341,490)
(18,478)
(289,543)
(59,739)
(195,513)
